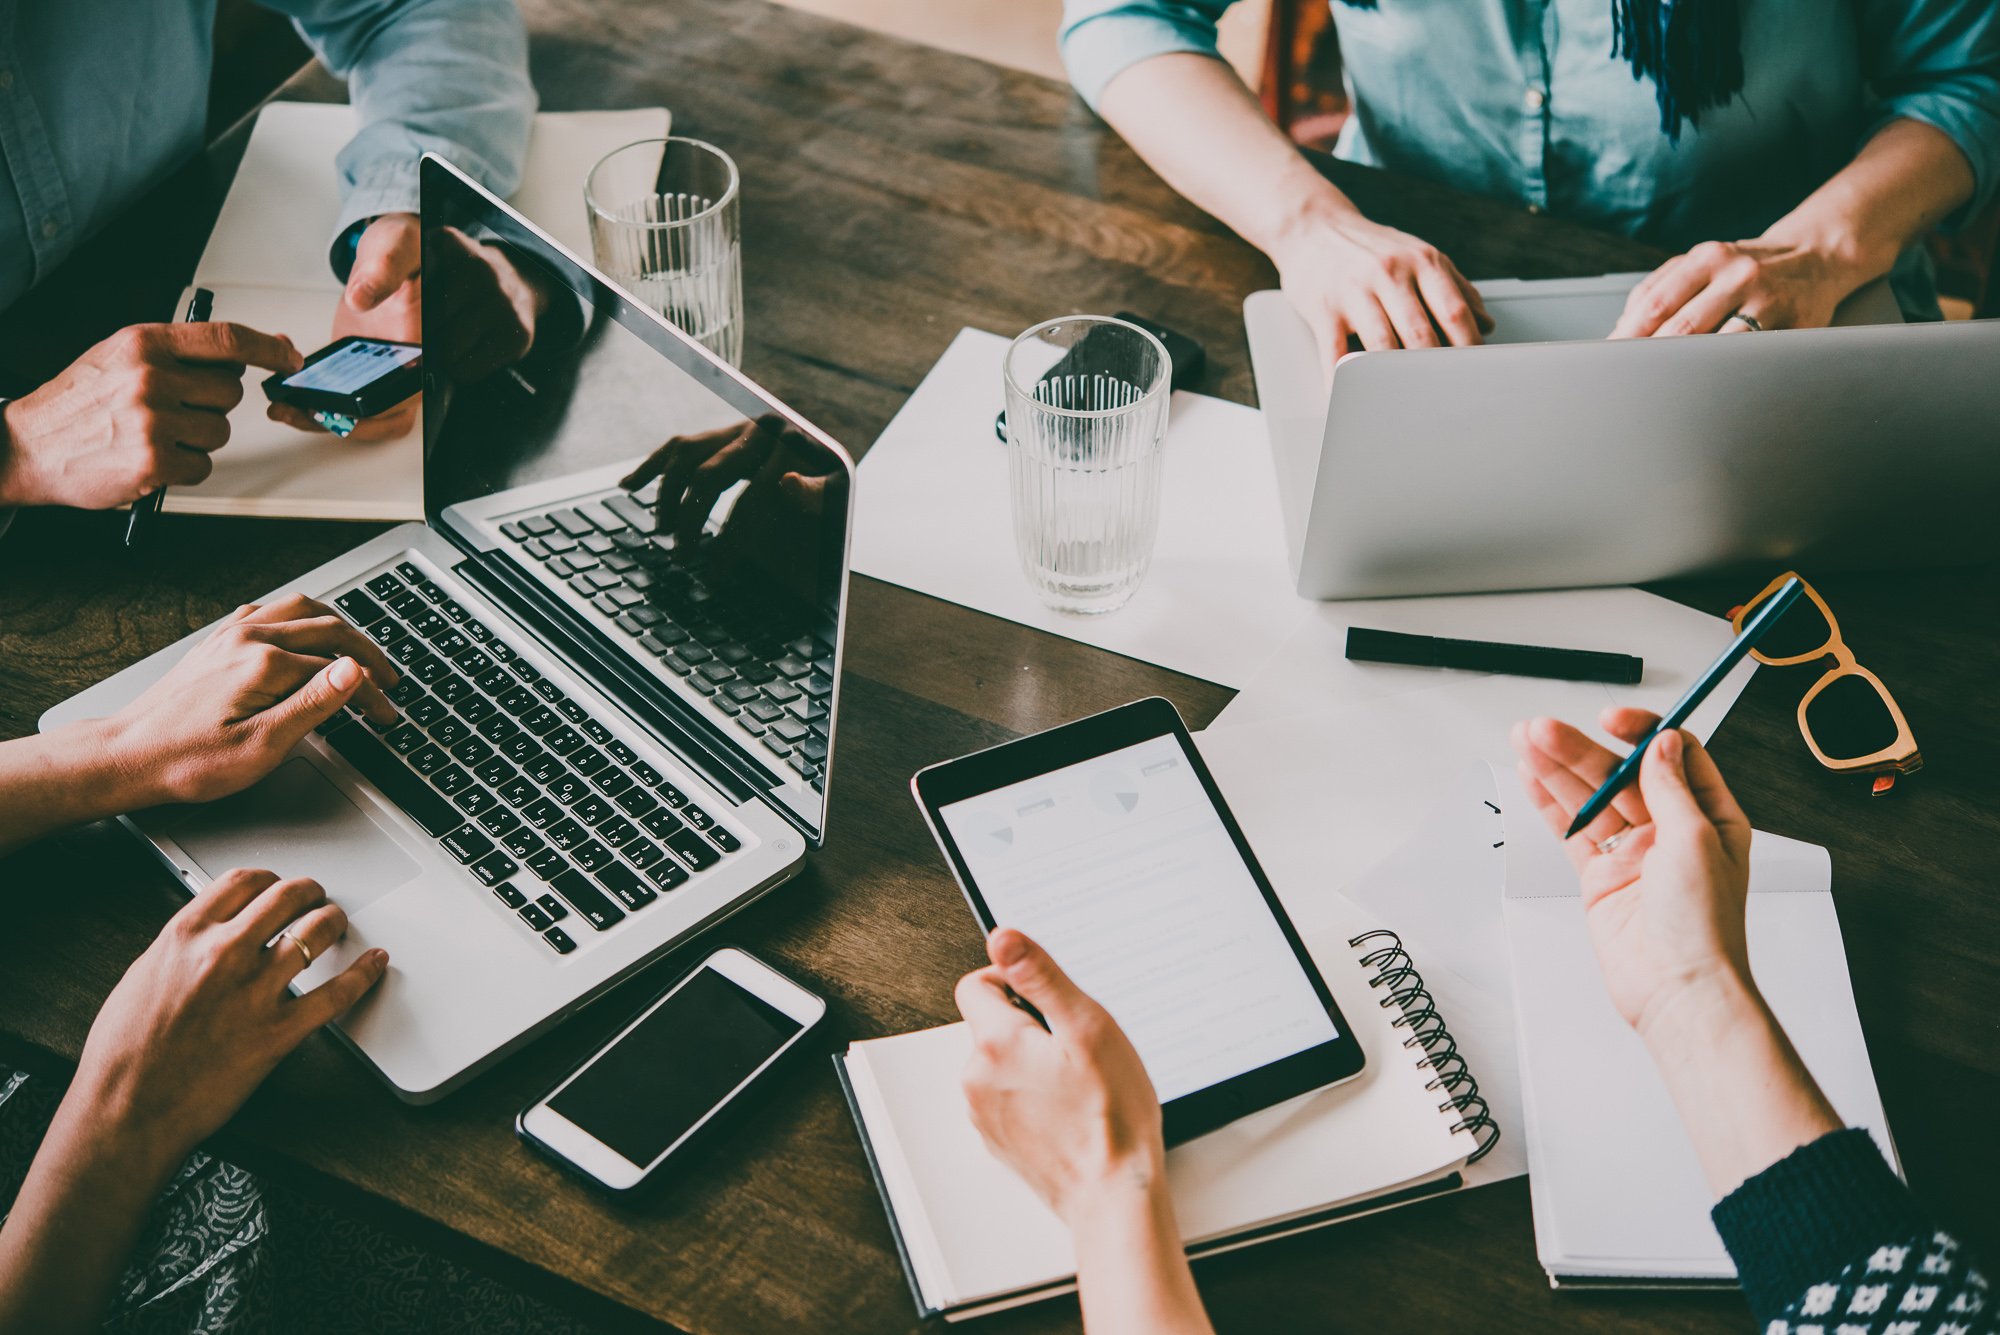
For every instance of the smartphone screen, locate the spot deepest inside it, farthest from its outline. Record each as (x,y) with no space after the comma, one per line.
(1121,867)
(653,1085)
(353,367)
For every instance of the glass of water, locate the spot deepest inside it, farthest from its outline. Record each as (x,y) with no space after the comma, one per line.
(1086,409)
(664,226)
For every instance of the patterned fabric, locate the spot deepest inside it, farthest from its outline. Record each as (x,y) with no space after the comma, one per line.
(1919,1286)
(225,1253)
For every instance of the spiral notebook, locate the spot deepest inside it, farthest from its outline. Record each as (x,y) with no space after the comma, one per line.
(974,1239)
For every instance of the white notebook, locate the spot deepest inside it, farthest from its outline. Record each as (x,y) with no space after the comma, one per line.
(1618,1196)
(974,1239)
(266,263)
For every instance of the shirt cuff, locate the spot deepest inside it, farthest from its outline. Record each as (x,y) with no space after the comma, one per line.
(1808,1216)
(387,190)
(1974,127)
(1098,49)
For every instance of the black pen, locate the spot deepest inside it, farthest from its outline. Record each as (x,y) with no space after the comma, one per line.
(200,306)
(1767,616)
(1518,660)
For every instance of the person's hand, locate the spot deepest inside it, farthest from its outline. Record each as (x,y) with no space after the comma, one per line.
(143,409)
(1069,1108)
(383,299)
(694,470)
(1665,906)
(203,1016)
(1350,278)
(493,305)
(230,711)
(1776,284)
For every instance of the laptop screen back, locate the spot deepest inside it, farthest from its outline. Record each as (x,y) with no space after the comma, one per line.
(674,518)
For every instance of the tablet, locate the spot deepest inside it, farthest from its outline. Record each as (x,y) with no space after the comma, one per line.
(1106,841)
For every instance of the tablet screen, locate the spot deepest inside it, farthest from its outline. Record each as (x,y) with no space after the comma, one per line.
(1121,868)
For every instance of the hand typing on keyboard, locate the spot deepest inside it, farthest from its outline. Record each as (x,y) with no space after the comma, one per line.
(226,714)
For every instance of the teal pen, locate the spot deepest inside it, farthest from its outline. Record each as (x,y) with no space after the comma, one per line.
(199,308)
(1628,768)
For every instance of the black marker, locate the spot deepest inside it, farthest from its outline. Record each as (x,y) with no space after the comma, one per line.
(200,307)
(1519,660)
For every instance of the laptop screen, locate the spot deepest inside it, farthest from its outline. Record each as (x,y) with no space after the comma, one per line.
(683,526)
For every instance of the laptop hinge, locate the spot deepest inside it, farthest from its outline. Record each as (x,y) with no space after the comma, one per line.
(676,726)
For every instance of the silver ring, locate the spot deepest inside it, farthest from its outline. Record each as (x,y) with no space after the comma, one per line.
(1611,845)
(1750,322)
(304,950)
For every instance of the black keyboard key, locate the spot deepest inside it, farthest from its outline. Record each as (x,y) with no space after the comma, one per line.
(477,632)
(567,834)
(473,662)
(764,711)
(623,882)
(552,906)
(598,733)
(646,774)
(473,751)
(407,690)
(588,760)
(567,788)
(617,832)
(527,671)
(541,719)
(430,669)
(474,800)
(495,772)
(592,810)
(429,588)
(524,843)
(410,571)
(572,523)
(782,691)
(519,701)
(495,867)
(467,844)
(574,712)
(525,751)
(666,873)
(385,633)
(601,515)
(476,709)
(495,681)
(547,864)
(813,749)
(696,817)
(694,850)
(542,813)
(559,940)
(634,512)
(426,711)
(385,585)
(724,840)
(451,644)
(598,544)
(581,894)
(518,792)
(674,796)
(450,779)
(451,688)
(407,652)
(620,752)
(790,729)
(662,822)
(508,894)
(449,732)
(536,526)
(642,853)
(549,691)
(360,608)
(653,643)
(498,728)
(563,740)
(499,822)
(535,918)
(454,609)
(636,800)
(591,855)
(744,693)
(405,739)
(819,686)
(543,768)
(429,623)
(611,782)
(429,758)
(380,766)
(406,605)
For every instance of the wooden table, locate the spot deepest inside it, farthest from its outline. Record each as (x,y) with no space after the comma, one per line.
(891,195)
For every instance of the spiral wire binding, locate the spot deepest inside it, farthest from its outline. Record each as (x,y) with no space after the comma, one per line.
(1396,973)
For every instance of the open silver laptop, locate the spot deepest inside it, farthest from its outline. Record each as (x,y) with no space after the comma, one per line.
(1553,458)
(612,736)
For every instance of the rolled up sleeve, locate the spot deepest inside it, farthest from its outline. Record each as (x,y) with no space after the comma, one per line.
(1938,62)
(1100,39)
(444,76)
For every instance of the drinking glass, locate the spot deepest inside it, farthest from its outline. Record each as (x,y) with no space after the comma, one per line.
(664,226)
(1086,409)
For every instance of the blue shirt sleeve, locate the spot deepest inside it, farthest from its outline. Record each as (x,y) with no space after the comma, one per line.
(1100,39)
(1938,62)
(449,76)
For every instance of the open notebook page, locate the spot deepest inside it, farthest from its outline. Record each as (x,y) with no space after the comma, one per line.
(1616,1185)
(266,263)
(974,1230)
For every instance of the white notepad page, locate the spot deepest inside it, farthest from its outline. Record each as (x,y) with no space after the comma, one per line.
(1616,1186)
(266,263)
(974,1230)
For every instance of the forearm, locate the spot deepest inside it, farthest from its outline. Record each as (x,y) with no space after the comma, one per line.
(1744,1097)
(1132,1273)
(1902,183)
(73,775)
(78,1213)
(1195,124)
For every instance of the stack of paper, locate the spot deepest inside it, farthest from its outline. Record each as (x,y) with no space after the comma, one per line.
(266,263)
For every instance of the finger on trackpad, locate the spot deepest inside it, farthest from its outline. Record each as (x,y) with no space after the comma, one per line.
(296,823)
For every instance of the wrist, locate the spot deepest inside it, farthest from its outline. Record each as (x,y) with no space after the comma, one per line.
(1310,212)
(1840,248)
(107,768)
(14,488)
(102,1113)
(1133,1184)
(1700,1012)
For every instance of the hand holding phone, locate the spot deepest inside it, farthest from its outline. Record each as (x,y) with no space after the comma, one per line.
(674,1073)
(350,379)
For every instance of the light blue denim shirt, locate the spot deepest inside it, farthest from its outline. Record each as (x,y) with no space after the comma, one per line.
(99,99)
(1522,100)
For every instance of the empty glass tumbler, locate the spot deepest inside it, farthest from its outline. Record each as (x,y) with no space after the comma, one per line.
(1086,410)
(664,226)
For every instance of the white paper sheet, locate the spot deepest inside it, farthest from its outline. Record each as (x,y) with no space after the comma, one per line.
(935,516)
(1616,1184)
(265,262)
(1311,673)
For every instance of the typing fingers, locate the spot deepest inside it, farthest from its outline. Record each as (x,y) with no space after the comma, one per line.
(1444,294)
(337,995)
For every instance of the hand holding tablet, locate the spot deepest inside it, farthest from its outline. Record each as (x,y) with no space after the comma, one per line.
(1106,841)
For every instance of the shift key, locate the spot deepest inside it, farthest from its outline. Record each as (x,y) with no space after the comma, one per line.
(400,784)
(584,896)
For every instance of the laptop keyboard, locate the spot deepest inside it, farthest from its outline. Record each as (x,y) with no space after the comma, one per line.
(513,778)
(749,660)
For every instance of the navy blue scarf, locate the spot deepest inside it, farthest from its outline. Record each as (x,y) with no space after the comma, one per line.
(1692,50)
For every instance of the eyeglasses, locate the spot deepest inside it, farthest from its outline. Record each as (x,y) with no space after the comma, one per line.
(1850,721)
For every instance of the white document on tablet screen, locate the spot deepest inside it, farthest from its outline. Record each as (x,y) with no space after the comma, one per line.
(1122,869)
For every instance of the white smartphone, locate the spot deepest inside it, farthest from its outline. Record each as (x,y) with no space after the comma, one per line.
(673,1073)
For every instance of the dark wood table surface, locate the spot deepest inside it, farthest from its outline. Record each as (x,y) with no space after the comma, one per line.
(893,194)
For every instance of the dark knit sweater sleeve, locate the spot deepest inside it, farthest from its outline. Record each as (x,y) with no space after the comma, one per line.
(1828,1239)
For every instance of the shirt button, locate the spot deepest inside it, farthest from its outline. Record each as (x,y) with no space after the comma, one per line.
(1535,98)
(6,80)
(51,228)
(1534,208)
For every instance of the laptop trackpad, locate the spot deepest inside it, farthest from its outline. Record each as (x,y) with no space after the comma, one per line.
(296,823)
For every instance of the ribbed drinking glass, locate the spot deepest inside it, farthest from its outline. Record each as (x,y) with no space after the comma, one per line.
(664,226)
(1086,410)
